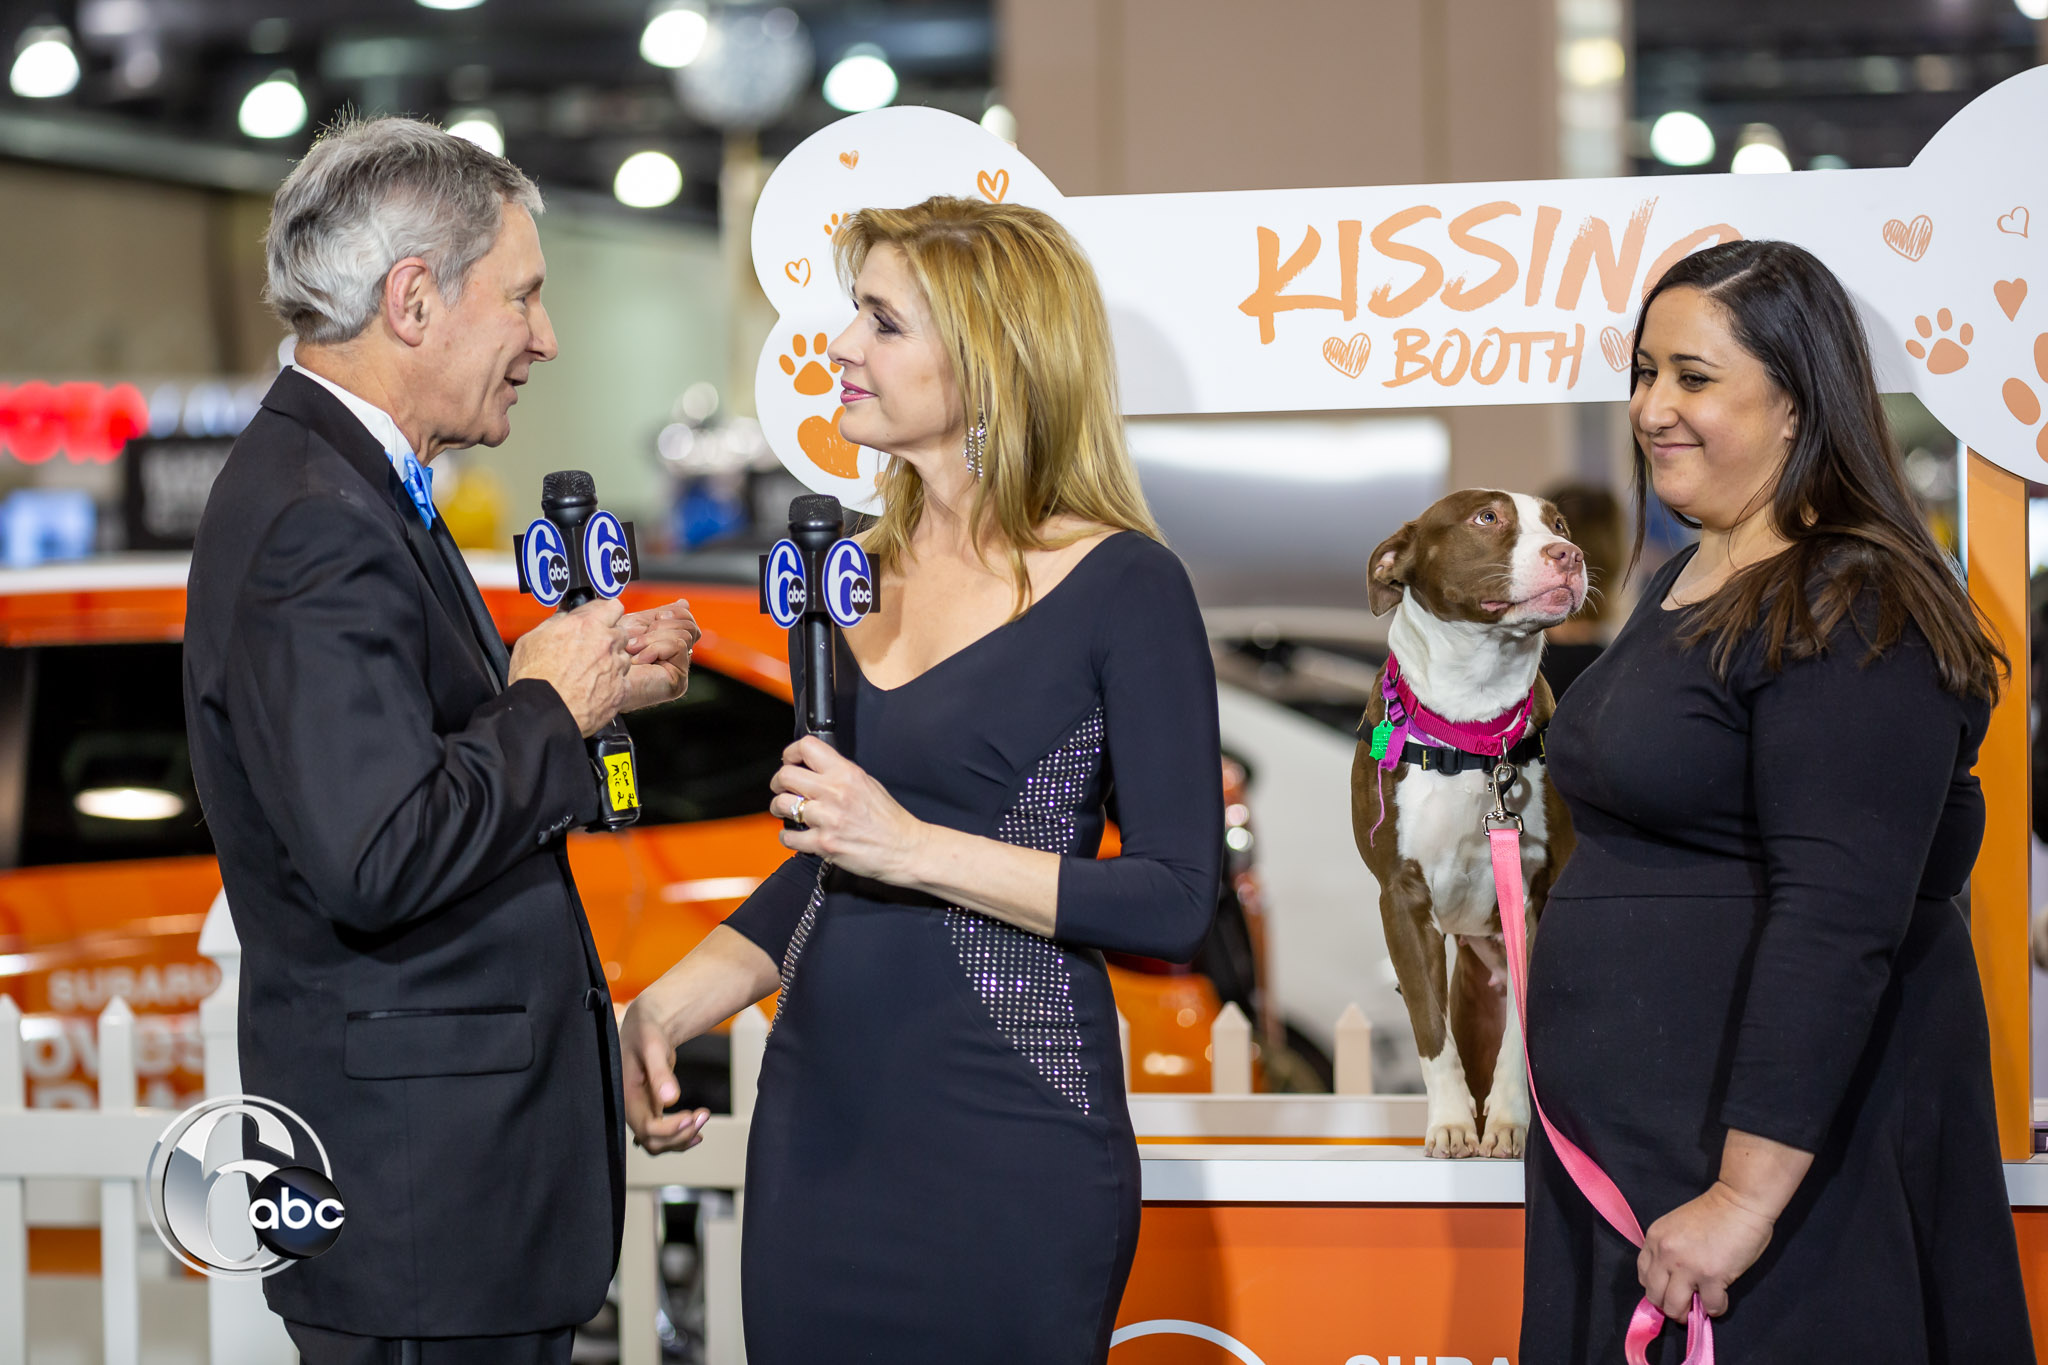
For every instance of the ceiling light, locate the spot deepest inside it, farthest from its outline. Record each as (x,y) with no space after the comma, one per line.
(44,65)
(1759,158)
(270,35)
(648,180)
(1883,75)
(450,4)
(274,108)
(674,36)
(1828,161)
(129,803)
(1680,138)
(998,119)
(2033,9)
(112,18)
(860,81)
(1759,150)
(479,126)
(142,66)
(1593,61)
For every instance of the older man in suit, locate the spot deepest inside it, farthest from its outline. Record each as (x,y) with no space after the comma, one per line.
(389,791)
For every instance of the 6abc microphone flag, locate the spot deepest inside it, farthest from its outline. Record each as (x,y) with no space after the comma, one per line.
(811,581)
(605,558)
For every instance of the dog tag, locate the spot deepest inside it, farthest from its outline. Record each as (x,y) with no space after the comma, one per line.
(1381,734)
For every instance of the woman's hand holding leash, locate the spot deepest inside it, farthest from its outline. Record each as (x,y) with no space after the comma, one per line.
(846,817)
(1701,1247)
(1705,1245)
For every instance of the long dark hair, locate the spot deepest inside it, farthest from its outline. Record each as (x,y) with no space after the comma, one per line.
(1841,499)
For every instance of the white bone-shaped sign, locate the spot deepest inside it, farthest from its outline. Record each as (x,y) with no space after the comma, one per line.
(1443,295)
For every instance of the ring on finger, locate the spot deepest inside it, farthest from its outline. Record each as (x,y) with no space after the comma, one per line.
(796,812)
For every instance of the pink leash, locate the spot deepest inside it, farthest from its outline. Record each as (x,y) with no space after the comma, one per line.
(1504,833)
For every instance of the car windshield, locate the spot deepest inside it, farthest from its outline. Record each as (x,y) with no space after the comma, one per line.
(95,738)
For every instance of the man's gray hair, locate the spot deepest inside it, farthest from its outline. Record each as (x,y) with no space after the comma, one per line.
(370,193)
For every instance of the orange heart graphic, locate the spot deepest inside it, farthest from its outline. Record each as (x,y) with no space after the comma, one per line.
(993,187)
(849,159)
(2014,222)
(1909,239)
(799,270)
(2010,294)
(1614,345)
(828,450)
(1348,357)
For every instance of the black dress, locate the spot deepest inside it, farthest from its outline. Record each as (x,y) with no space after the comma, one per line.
(942,1167)
(1757,931)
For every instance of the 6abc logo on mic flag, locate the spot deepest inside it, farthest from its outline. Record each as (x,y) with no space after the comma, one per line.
(240,1187)
(608,555)
(848,589)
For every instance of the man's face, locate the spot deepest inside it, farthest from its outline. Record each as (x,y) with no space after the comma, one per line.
(482,349)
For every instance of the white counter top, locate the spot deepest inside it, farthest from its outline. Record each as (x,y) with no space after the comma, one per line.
(1276,1174)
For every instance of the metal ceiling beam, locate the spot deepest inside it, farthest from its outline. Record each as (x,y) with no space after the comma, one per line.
(103,143)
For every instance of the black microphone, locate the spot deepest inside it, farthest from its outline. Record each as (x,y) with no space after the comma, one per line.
(815,582)
(567,498)
(575,553)
(815,521)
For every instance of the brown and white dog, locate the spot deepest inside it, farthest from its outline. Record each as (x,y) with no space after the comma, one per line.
(1472,583)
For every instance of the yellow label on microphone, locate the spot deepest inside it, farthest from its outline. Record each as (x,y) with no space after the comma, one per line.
(618,772)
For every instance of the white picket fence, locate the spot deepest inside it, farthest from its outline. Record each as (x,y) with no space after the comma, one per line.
(111,1146)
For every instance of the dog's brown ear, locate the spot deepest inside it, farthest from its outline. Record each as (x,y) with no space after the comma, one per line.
(1391,564)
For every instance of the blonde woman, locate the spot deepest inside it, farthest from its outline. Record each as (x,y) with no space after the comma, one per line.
(942,1166)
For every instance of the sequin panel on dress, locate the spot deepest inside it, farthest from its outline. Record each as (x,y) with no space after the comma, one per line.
(1022,978)
(797,939)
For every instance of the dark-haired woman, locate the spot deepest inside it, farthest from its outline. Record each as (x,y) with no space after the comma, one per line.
(1753,1001)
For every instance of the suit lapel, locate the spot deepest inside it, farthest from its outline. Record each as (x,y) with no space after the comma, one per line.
(305,402)
(473,601)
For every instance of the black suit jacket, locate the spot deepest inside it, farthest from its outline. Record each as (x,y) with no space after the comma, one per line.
(418,979)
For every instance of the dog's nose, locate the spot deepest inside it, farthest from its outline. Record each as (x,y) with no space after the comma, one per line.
(1565,555)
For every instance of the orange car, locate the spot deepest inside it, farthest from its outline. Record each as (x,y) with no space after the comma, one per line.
(107,868)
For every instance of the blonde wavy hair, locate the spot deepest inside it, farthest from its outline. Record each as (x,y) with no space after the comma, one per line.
(1016,305)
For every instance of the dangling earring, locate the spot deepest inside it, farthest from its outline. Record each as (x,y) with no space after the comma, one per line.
(977,444)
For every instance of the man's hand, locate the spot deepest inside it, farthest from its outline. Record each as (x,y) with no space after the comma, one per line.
(647,1065)
(582,654)
(659,643)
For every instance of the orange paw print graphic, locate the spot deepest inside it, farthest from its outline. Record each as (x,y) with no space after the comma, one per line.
(811,380)
(2021,400)
(832,224)
(817,437)
(1945,356)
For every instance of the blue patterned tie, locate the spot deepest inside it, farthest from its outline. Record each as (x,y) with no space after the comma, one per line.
(418,481)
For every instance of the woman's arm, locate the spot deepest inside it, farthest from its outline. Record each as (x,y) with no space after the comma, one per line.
(735,965)
(1850,767)
(721,976)
(1159,734)
(1850,770)
(1703,1246)
(1160,741)
(851,820)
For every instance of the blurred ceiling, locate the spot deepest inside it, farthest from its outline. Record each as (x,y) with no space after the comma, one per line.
(162,81)
(1866,81)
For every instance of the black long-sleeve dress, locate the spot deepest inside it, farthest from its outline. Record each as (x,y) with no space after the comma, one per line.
(942,1166)
(1757,931)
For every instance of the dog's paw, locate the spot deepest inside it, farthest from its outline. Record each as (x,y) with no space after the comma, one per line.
(1459,1138)
(1504,1138)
